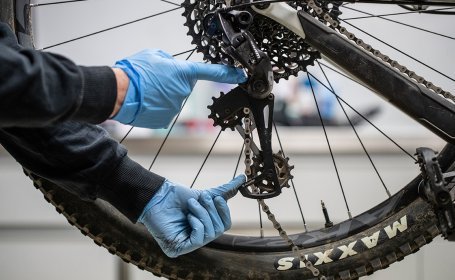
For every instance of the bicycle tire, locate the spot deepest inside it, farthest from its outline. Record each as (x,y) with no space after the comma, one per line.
(387,233)
(255,260)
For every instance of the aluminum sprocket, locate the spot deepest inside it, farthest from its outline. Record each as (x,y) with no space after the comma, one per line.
(282,168)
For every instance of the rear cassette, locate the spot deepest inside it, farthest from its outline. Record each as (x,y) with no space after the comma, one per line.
(288,52)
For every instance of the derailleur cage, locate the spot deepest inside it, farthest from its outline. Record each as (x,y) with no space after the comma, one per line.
(230,29)
(435,188)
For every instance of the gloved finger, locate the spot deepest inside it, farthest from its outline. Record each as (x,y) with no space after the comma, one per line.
(199,212)
(229,190)
(207,201)
(219,73)
(223,211)
(195,240)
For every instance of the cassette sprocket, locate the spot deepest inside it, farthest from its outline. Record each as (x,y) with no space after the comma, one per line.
(288,52)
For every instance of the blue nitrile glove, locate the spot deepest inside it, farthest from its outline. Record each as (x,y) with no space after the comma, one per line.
(182,219)
(159,84)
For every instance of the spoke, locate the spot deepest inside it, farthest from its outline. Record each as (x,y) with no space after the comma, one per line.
(400,13)
(261,227)
(170,2)
(292,180)
(167,135)
(329,146)
(185,52)
(55,3)
(109,29)
(411,57)
(205,160)
(355,131)
(189,56)
(173,123)
(360,114)
(342,74)
(238,161)
(433,12)
(401,23)
(126,135)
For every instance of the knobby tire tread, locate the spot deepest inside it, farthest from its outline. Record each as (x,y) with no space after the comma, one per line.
(132,243)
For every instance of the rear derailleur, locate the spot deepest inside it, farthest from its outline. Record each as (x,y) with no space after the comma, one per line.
(249,106)
(436,188)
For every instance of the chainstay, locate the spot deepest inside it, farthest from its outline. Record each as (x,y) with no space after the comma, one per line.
(325,17)
(319,12)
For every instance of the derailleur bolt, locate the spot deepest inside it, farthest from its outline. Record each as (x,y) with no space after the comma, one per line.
(259,86)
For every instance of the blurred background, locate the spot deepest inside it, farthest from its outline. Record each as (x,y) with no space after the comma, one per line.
(36,242)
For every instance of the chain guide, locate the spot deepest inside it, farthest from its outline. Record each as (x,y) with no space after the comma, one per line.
(227,111)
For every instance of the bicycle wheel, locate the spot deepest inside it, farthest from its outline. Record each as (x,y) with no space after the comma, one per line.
(358,246)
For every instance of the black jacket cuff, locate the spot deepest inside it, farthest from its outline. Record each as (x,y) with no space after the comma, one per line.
(99,94)
(130,188)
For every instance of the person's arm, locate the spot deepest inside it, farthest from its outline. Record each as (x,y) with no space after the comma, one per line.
(147,89)
(39,88)
(84,160)
(40,91)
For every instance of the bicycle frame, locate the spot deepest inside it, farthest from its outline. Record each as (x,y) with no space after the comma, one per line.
(409,2)
(420,103)
(423,105)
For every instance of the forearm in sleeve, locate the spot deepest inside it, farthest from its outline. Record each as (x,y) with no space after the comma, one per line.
(39,88)
(84,160)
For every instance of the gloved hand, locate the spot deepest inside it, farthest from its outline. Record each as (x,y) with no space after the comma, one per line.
(159,84)
(182,219)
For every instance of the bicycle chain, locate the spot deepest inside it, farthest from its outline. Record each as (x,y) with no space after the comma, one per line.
(289,54)
(247,141)
(247,152)
(386,59)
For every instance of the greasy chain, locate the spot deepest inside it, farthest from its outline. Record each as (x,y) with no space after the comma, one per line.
(248,121)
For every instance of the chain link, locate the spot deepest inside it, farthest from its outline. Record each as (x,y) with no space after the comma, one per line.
(265,208)
(247,142)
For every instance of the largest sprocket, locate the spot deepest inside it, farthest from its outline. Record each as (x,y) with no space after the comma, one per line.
(289,54)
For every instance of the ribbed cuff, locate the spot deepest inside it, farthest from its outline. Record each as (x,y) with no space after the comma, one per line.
(99,91)
(129,188)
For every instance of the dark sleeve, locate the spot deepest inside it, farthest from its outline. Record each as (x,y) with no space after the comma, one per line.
(84,160)
(39,88)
